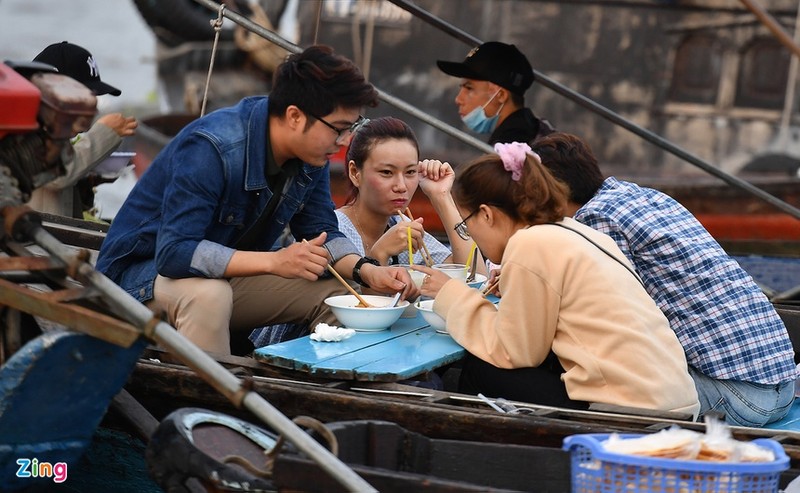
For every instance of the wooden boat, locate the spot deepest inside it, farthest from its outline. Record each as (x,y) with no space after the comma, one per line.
(161,387)
(226,451)
(439,415)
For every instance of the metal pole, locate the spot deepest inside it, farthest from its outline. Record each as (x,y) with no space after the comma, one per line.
(609,115)
(204,365)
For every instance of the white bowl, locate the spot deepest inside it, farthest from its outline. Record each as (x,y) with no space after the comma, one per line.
(478,282)
(113,165)
(377,317)
(459,271)
(425,307)
(456,271)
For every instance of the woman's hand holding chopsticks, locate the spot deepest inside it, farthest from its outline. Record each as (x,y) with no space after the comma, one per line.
(395,240)
(426,255)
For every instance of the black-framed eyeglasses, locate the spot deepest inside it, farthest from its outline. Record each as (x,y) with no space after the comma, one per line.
(461,228)
(343,133)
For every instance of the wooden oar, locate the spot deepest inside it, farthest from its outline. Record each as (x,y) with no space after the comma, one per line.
(348,286)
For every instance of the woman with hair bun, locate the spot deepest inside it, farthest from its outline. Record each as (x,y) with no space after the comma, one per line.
(384,172)
(574,325)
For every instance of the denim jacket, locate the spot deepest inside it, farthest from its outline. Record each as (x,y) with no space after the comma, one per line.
(202,193)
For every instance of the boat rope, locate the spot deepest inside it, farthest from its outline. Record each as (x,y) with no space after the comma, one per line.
(217,25)
(307,422)
(317,20)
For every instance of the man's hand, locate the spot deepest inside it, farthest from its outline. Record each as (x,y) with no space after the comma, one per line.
(304,260)
(124,126)
(389,280)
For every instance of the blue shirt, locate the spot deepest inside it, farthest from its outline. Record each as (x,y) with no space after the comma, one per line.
(726,325)
(202,193)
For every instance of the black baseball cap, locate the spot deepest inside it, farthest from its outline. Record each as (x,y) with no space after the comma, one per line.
(500,63)
(78,63)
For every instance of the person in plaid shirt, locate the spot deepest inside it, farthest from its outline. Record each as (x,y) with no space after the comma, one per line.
(739,353)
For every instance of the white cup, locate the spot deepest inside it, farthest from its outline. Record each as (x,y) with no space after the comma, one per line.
(456,271)
(417,277)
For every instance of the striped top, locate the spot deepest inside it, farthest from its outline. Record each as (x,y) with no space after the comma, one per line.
(439,252)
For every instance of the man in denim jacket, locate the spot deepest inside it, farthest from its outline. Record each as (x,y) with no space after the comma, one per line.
(193,239)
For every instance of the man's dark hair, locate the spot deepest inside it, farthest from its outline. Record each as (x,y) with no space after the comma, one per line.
(570,160)
(319,81)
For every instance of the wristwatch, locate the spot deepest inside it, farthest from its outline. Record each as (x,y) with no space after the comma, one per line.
(357,269)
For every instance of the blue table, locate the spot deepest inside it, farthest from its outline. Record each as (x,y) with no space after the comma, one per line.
(409,348)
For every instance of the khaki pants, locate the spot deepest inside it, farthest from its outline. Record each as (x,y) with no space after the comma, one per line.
(206,310)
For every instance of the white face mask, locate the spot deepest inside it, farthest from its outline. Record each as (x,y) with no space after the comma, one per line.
(477,121)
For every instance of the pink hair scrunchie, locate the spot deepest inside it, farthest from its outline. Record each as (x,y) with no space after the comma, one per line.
(513,156)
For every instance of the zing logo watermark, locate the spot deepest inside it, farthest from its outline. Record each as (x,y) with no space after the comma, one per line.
(32,468)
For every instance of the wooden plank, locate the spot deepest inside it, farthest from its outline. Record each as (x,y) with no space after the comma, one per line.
(407,461)
(74,316)
(293,473)
(75,232)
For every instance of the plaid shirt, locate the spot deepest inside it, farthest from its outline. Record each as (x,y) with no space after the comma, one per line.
(726,325)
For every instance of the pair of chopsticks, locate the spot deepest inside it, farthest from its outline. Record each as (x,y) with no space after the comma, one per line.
(360,298)
(490,288)
(426,256)
(469,267)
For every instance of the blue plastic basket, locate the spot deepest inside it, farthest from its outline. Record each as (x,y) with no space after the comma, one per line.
(597,471)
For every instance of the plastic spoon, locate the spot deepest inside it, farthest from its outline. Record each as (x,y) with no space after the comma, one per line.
(395,300)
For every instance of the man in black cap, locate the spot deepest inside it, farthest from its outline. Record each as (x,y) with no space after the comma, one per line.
(78,63)
(491,100)
(90,147)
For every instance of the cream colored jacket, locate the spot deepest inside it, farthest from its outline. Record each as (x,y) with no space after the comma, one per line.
(562,292)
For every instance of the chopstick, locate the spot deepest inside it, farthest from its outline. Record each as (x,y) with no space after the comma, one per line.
(348,286)
(427,255)
(345,283)
(489,288)
(410,248)
(469,266)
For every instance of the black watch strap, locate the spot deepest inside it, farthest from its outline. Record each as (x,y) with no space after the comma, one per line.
(357,269)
